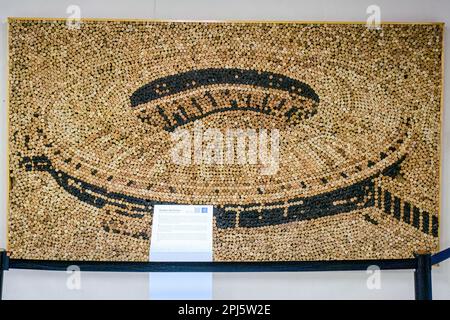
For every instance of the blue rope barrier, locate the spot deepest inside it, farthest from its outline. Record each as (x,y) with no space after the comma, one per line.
(440,256)
(422,273)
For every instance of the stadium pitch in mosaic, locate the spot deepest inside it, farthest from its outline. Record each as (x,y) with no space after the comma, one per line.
(313,141)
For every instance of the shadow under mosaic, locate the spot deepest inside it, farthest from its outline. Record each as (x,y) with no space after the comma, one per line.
(93,111)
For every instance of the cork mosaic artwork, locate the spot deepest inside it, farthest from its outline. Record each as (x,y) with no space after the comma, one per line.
(93,112)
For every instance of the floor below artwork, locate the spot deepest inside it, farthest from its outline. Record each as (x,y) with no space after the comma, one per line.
(26,284)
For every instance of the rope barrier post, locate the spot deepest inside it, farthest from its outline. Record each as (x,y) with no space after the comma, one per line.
(422,277)
(3,258)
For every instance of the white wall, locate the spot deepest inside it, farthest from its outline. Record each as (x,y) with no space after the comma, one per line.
(329,285)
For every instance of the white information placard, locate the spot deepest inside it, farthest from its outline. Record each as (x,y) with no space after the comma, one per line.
(181,233)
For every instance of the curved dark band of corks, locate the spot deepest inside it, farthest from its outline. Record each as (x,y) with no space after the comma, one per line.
(354,197)
(193,79)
